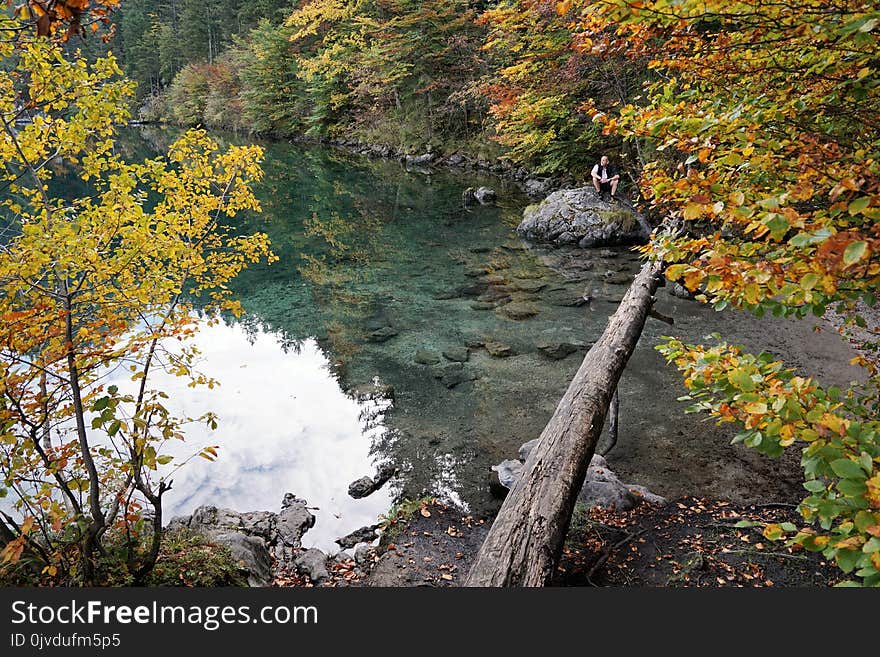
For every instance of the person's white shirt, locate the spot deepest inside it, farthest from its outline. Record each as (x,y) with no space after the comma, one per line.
(604,175)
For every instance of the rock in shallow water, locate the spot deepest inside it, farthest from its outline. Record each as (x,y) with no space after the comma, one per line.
(581,216)
(520,310)
(556,350)
(498,349)
(382,335)
(425,357)
(363,535)
(457,354)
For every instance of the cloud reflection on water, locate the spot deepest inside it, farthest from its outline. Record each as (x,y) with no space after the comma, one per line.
(284,426)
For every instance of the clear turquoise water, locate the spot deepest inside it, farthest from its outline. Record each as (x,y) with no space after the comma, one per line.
(369,250)
(365,246)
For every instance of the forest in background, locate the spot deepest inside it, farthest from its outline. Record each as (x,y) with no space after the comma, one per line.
(485,78)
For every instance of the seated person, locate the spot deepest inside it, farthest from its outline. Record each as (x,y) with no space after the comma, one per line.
(605,177)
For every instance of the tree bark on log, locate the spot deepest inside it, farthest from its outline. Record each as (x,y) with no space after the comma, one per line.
(525,542)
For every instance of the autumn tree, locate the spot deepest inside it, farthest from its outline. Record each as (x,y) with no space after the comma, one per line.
(765,116)
(541,87)
(96,284)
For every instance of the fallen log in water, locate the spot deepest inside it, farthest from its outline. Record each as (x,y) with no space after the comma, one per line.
(526,539)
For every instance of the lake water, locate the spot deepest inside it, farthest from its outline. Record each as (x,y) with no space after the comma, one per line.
(338,365)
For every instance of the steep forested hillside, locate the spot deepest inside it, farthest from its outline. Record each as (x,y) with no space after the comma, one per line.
(485,77)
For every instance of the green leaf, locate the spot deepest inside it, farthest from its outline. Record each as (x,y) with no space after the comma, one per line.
(814,486)
(848,469)
(854,253)
(741,380)
(852,487)
(847,560)
(858,205)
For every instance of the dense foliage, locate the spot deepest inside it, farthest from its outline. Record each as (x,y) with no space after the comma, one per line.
(91,282)
(455,75)
(766,116)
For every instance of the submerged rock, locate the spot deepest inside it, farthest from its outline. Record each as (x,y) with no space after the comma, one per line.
(481,195)
(556,350)
(528,285)
(498,349)
(581,216)
(425,357)
(617,278)
(520,310)
(457,354)
(382,335)
(368,391)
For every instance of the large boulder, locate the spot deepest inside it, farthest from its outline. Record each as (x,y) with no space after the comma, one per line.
(601,486)
(232,529)
(580,216)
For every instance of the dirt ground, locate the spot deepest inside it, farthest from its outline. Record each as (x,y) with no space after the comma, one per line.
(687,543)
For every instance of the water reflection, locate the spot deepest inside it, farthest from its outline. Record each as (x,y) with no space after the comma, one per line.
(285,426)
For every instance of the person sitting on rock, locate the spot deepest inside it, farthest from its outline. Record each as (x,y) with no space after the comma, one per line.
(605,177)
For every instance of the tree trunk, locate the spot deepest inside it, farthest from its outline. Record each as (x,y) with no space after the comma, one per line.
(525,541)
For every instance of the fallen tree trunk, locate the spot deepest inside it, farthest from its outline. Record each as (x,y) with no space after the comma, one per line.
(526,539)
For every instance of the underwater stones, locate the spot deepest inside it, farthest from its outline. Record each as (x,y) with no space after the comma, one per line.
(495,294)
(568,298)
(459,376)
(483,305)
(382,334)
(498,349)
(617,278)
(457,354)
(473,290)
(452,374)
(556,350)
(474,343)
(425,357)
(530,285)
(520,310)
(445,295)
